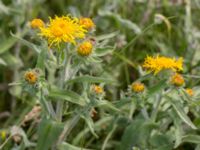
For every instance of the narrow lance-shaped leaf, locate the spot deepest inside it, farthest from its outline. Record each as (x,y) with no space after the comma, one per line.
(7,44)
(67,95)
(42,59)
(49,132)
(181,113)
(125,22)
(91,79)
(137,133)
(90,124)
(191,138)
(157,88)
(67,146)
(106,104)
(27,43)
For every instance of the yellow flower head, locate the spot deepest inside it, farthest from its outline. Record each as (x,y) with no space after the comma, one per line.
(85,48)
(97,89)
(177,80)
(159,63)
(3,135)
(31,77)
(63,29)
(190,92)
(87,23)
(37,23)
(137,87)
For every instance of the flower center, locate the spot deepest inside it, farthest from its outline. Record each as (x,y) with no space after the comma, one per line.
(57,32)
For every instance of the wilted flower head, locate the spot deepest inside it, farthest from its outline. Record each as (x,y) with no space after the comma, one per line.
(137,87)
(177,80)
(159,63)
(31,77)
(63,29)
(87,23)
(85,48)
(189,91)
(36,23)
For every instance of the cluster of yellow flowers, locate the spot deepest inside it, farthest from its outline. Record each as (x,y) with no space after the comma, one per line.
(66,29)
(159,63)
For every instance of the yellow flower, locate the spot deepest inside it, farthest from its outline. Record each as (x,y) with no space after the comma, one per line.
(37,23)
(177,80)
(85,48)
(137,87)
(97,89)
(87,23)
(3,135)
(63,29)
(190,92)
(159,63)
(31,77)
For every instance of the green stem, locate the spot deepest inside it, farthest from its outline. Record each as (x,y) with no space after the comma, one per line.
(155,110)
(108,137)
(145,113)
(64,76)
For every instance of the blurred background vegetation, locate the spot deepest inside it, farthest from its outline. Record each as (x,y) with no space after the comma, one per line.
(143,27)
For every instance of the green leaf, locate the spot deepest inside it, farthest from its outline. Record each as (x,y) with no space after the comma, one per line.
(67,146)
(181,113)
(157,88)
(125,59)
(137,134)
(178,127)
(124,22)
(11,60)
(49,132)
(103,51)
(67,95)
(41,59)
(2,62)
(97,126)
(27,43)
(90,124)
(191,139)
(107,36)
(7,44)
(91,79)
(106,104)
(161,142)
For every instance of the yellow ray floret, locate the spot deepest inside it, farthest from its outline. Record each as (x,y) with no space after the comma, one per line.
(159,63)
(63,29)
